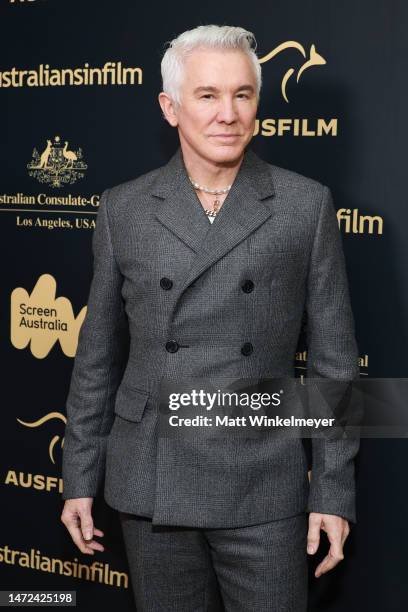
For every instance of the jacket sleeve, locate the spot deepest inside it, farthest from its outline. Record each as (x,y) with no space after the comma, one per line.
(332,353)
(103,348)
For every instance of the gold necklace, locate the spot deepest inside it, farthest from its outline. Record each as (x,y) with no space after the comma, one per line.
(210,212)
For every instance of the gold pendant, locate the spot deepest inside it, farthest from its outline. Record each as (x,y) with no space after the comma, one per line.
(211,212)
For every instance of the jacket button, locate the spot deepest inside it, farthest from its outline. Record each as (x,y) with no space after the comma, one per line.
(172,346)
(247,348)
(247,286)
(166,283)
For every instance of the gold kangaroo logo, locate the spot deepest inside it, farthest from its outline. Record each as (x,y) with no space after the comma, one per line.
(44,156)
(315,59)
(48,417)
(57,165)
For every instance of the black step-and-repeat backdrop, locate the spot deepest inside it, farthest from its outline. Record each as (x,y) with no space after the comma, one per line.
(78,91)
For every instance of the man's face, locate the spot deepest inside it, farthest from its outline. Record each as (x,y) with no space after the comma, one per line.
(217,115)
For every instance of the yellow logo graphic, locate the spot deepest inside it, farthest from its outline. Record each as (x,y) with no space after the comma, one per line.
(315,59)
(56,165)
(54,439)
(40,319)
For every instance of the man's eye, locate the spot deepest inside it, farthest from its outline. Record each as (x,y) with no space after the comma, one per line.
(244,95)
(207,96)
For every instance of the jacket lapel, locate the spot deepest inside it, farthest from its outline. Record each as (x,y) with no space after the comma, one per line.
(242,212)
(181,211)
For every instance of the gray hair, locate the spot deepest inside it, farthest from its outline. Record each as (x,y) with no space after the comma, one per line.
(205,36)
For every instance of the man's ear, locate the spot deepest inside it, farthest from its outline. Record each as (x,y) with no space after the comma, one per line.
(168,108)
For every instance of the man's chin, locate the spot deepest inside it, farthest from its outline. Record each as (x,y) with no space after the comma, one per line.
(225,153)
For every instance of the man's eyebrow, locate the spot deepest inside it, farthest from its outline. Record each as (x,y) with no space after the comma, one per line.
(245,87)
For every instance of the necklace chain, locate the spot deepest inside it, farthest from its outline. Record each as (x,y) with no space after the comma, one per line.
(208,190)
(210,212)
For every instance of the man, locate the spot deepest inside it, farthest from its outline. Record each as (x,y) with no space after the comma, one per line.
(203,268)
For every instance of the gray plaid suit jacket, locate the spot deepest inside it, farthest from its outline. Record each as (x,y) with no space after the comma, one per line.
(166,300)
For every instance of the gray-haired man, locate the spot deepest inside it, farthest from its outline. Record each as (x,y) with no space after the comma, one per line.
(203,268)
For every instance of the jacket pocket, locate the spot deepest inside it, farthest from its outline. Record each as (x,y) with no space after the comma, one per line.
(130,403)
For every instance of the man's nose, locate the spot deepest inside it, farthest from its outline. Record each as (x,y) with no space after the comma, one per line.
(227,111)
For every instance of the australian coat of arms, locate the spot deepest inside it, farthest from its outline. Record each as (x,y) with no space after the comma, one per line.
(56,164)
